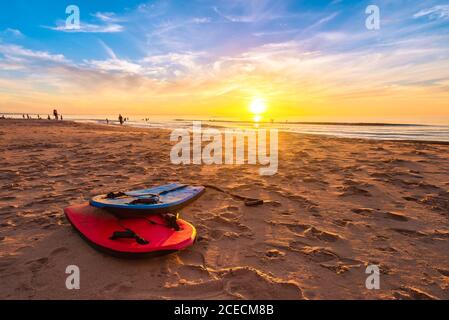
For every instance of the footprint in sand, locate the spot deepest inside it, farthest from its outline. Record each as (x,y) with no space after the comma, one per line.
(192,258)
(325,236)
(387,249)
(36,265)
(342,222)
(59,251)
(363,211)
(189,273)
(411,293)
(274,254)
(312,232)
(318,254)
(394,216)
(441,235)
(352,190)
(249,283)
(385,214)
(410,233)
(444,272)
(297,228)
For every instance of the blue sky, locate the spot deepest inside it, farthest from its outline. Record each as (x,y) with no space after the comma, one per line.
(139,28)
(158,42)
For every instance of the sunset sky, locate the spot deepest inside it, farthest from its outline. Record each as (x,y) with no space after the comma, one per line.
(214,58)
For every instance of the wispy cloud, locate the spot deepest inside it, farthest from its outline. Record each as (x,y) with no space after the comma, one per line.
(89,28)
(235,18)
(436,12)
(12,32)
(323,20)
(113,63)
(251,11)
(201,20)
(17,52)
(107,17)
(108,23)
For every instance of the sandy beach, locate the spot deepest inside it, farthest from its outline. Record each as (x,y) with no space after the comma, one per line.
(334,207)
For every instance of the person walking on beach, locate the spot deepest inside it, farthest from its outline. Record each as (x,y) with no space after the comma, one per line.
(55,113)
(62,117)
(120,119)
(48,117)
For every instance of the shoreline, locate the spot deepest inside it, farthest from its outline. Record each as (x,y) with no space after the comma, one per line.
(435,142)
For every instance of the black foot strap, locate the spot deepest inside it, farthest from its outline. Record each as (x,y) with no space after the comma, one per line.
(114,195)
(128,234)
(150,200)
(171,221)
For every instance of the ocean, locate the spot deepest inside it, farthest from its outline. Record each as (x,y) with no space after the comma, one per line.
(378,131)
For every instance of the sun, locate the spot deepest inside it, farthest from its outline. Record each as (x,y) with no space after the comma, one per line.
(258,106)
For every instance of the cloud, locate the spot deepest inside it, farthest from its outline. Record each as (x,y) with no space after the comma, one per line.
(107,17)
(232,18)
(436,12)
(108,50)
(10,65)
(109,23)
(251,11)
(114,65)
(18,53)
(278,68)
(174,65)
(12,32)
(90,28)
(201,20)
(323,21)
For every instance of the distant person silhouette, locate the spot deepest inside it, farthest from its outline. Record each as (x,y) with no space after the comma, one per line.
(107,121)
(55,113)
(120,119)
(62,117)
(48,117)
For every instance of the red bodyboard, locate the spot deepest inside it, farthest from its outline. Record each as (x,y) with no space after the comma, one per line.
(96,226)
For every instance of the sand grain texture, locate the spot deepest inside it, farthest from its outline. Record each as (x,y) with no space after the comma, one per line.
(336,205)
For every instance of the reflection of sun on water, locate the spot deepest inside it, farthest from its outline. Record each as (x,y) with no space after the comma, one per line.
(257,118)
(257,108)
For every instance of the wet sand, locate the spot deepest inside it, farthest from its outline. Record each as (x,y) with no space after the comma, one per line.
(335,206)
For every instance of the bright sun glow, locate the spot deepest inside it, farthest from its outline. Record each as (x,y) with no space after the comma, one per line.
(257,118)
(258,106)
